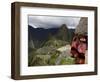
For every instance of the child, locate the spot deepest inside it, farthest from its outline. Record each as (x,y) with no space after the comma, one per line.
(78,49)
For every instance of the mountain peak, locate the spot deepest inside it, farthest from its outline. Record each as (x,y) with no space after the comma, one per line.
(63,26)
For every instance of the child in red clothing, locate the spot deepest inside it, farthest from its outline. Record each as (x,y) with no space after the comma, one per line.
(78,49)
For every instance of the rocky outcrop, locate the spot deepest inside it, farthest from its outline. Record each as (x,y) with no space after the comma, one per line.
(82,27)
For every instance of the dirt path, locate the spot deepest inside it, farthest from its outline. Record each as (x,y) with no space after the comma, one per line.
(64,48)
(65,53)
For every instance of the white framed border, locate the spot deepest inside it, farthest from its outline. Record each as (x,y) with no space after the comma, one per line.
(25,70)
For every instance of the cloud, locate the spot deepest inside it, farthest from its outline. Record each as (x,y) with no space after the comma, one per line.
(52,21)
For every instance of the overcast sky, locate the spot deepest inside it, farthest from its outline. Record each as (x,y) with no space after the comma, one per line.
(52,21)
